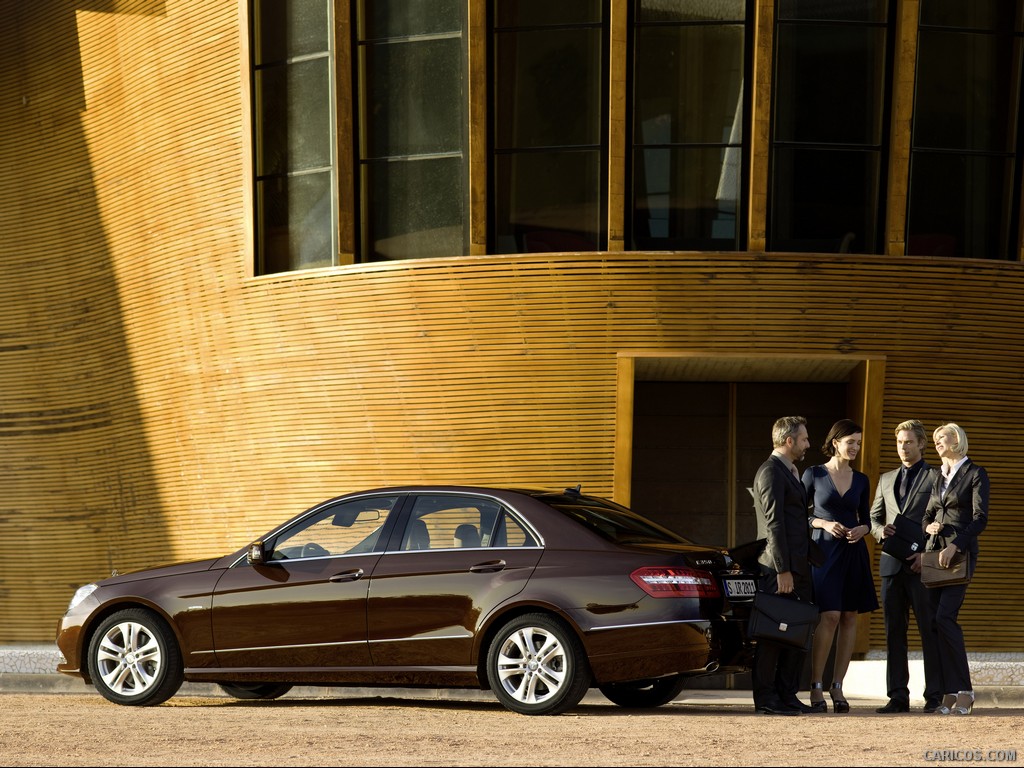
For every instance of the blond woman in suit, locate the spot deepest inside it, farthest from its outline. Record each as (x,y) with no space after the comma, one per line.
(956,514)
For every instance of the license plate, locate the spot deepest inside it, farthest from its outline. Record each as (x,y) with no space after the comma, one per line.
(740,587)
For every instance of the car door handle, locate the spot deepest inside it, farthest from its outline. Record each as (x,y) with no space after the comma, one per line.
(347,576)
(489,567)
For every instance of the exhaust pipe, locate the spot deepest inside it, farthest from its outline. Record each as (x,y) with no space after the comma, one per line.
(711,668)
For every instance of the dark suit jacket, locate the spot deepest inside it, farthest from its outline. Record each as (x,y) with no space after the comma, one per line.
(885,508)
(781,504)
(962,509)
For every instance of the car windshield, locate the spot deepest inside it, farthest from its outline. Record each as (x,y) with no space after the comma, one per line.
(612,522)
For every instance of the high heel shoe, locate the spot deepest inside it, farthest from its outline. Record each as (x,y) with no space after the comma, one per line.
(964,703)
(821,705)
(948,701)
(839,704)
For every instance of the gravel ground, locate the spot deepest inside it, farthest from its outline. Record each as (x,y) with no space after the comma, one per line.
(83,729)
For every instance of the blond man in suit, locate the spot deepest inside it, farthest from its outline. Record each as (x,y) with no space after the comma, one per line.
(905,491)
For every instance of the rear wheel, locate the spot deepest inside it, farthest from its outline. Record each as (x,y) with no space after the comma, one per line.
(134,659)
(256,690)
(644,694)
(536,665)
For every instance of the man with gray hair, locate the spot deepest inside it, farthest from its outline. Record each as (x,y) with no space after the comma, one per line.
(780,501)
(905,491)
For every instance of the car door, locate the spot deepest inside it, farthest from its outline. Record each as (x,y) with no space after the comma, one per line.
(440,576)
(305,606)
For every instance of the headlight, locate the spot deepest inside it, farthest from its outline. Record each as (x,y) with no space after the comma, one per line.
(80,594)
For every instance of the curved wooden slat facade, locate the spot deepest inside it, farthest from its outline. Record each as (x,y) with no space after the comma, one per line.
(159,402)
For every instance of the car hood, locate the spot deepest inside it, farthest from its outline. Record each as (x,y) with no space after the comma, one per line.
(163,570)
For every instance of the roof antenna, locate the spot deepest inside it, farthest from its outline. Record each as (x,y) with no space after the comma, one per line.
(575,490)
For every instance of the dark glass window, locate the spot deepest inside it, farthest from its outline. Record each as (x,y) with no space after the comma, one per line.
(965,166)
(829,126)
(689,98)
(412,139)
(549,126)
(293,118)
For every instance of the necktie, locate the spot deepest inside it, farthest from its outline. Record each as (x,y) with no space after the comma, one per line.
(904,482)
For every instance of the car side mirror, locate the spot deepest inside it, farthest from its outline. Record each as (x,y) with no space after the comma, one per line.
(257,554)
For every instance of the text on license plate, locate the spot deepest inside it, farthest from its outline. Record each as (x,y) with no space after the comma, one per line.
(740,587)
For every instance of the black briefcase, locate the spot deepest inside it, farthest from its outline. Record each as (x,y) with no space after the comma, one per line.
(908,539)
(781,619)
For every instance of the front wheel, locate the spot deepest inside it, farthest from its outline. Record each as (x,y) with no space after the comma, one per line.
(644,694)
(256,690)
(537,666)
(134,659)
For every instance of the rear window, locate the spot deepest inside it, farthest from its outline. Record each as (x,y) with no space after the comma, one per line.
(611,521)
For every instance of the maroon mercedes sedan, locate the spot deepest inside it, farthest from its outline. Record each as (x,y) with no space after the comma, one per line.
(537,595)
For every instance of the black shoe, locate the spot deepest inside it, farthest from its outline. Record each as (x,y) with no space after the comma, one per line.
(798,705)
(839,702)
(818,706)
(776,709)
(932,705)
(894,706)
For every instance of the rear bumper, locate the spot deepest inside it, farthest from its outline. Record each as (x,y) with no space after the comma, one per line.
(651,650)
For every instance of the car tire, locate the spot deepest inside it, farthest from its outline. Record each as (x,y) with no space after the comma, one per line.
(134,659)
(644,694)
(256,690)
(536,665)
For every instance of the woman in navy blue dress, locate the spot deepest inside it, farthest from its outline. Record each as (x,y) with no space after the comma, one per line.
(843,584)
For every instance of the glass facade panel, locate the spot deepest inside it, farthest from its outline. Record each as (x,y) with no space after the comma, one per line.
(416,208)
(548,201)
(960,205)
(294,156)
(686,199)
(688,132)
(413,130)
(965,167)
(830,84)
(547,88)
(289,28)
(676,101)
(293,108)
(549,127)
(965,88)
(830,118)
(825,201)
(296,221)
(414,97)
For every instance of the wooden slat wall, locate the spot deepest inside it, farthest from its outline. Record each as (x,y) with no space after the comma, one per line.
(159,403)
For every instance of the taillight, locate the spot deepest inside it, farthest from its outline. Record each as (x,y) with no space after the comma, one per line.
(675,582)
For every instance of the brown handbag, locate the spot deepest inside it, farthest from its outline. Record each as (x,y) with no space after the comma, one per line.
(934,575)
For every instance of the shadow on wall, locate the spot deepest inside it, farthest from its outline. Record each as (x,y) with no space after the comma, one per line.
(78,495)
